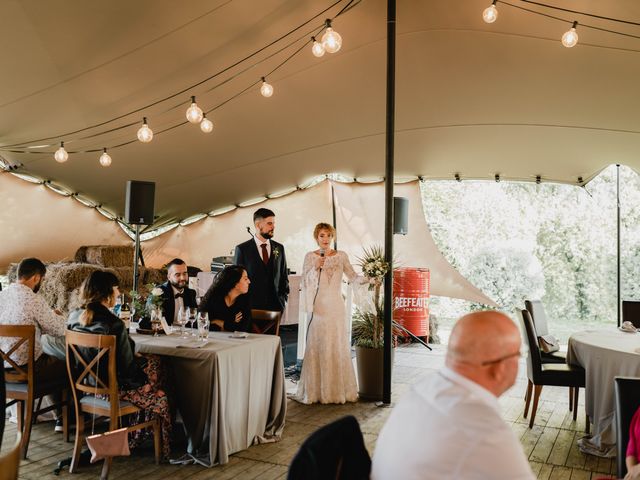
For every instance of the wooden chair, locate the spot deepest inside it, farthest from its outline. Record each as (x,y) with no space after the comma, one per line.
(87,382)
(23,388)
(540,374)
(265,322)
(3,402)
(627,395)
(10,461)
(631,312)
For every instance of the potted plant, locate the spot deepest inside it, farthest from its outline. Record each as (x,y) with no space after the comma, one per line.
(367,332)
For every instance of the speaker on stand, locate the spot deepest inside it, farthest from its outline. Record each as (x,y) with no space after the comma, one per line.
(400,215)
(139,210)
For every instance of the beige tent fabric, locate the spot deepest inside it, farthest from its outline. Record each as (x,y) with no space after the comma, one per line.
(360,223)
(296,215)
(37,222)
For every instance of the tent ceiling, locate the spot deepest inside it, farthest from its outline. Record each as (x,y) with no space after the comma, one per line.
(472,98)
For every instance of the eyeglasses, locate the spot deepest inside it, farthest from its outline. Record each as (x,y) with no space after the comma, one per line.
(520,353)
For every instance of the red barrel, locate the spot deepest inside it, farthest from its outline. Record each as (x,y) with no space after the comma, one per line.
(411,299)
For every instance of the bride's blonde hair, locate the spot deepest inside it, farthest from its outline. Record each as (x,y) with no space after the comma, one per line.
(323,226)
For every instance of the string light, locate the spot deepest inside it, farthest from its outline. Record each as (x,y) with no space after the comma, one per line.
(61,154)
(317,49)
(490,14)
(570,37)
(105,158)
(206,125)
(145,134)
(331,40)
(266,89)
(194,112)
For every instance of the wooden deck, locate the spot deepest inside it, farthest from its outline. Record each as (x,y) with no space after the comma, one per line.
(550,445)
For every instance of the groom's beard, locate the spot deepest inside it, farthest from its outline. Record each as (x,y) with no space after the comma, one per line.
(267,235)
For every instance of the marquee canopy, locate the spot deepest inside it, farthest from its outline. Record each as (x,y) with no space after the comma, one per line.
(472,98)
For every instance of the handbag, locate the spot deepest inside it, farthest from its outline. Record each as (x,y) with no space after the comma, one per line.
(548,343)
(109,444)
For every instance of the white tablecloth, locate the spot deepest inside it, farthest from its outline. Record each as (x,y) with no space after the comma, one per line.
(604,354)
(230,393)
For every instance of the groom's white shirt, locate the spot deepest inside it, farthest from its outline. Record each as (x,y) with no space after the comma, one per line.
(259,246)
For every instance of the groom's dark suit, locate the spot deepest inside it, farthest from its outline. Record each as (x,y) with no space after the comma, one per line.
(269,287)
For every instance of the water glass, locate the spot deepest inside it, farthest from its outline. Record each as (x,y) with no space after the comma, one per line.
(180,322)
(203,325)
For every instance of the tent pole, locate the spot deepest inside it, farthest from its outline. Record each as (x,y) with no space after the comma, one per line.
(333,211)
(388,198)
(618,234)
(136,260)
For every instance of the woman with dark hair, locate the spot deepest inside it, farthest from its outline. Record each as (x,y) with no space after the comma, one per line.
(138,376)
(227,301)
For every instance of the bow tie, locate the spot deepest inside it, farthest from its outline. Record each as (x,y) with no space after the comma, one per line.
(179,295)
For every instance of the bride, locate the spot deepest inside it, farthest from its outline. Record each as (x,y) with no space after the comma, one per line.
(327,370)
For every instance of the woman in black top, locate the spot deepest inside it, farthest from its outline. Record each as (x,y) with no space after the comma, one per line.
(138,376)
(227,301)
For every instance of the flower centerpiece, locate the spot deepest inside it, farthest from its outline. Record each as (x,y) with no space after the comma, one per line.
(367,328)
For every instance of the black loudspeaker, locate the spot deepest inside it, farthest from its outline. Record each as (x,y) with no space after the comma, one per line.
(400,215)
(138,208)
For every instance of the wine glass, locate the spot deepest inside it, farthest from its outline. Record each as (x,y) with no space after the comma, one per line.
(180,321)
(192,315)
(203,325)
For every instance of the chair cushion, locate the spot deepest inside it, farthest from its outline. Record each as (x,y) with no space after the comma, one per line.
(42,387)
(92,401)
(562,375)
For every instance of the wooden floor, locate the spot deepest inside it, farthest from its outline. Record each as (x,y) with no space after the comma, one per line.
(550,445)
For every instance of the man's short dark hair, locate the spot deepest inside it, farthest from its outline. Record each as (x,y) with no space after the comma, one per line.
(29,267)
(262,213)
(176,261)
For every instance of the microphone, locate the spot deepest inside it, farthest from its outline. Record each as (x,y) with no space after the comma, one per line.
(249,232)
(321,255)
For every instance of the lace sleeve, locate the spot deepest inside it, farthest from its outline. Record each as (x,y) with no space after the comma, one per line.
(350,273)
(309,281)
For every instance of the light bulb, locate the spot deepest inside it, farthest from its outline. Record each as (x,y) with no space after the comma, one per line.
(490,14)
(145,134)
(570,37)
(317,49)
(331,40)
(61,154)
(105,159)
(266,90)
(206,125)
(194,112)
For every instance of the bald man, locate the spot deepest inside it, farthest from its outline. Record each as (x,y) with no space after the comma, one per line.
(449,425)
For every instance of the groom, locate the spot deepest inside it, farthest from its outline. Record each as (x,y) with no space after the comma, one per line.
(265,263)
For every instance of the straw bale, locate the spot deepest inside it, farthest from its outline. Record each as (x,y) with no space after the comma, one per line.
(62,279)
(12,272)
(147,275)
(154,275)
(81,255)
(109,255)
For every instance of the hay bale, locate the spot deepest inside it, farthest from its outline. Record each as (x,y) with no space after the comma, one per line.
(81,255)
(154,275)
(62,279)
(12,272)
(108,255)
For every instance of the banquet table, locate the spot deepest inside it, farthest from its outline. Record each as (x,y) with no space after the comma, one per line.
(604,354)
(230,392)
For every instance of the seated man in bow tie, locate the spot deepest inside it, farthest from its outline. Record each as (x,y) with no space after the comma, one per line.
(175,292)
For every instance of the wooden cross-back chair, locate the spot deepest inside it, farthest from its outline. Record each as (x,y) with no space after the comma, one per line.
(265,322)
(10,461)
(23,388)
(87,354)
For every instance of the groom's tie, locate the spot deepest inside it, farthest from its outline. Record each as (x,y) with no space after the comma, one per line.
(265,254)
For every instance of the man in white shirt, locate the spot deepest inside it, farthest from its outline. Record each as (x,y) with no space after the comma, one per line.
(21,305)
(449,425)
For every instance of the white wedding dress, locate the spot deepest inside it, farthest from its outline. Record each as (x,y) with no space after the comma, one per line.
(327,370)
